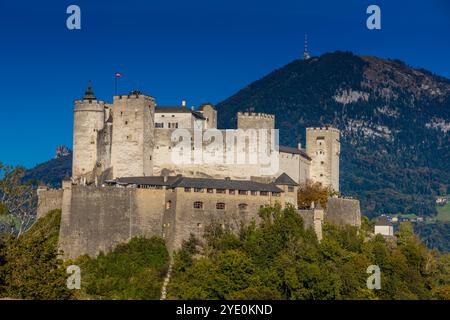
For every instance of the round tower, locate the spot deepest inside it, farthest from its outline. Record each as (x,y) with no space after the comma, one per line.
(88,119)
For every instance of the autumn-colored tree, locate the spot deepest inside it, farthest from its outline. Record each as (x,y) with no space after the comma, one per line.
(310,192)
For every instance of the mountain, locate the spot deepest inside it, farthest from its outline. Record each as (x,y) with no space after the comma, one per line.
(51,172)
(394,122)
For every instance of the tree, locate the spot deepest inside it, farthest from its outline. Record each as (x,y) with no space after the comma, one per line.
(32,268)
(17,199)
(310,192)
(278,259)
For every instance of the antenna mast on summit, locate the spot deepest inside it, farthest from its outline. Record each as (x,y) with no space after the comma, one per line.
(306,55)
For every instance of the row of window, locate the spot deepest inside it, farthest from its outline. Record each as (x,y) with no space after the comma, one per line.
(220,191)
(233,191)
(219,205)
(170,125)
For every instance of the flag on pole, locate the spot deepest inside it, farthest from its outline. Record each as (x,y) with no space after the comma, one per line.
(116,76)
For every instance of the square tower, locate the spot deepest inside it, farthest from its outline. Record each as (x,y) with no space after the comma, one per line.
(133,135)
(323,147)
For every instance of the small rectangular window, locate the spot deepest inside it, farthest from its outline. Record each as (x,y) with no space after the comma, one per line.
(198,205)
(220,206)
(198,189)
(231,191)
(187,189)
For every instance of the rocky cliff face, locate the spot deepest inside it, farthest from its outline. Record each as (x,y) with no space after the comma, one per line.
(395,123)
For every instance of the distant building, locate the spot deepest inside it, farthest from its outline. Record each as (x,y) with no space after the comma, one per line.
(441,201)
(61,151)
(384,227)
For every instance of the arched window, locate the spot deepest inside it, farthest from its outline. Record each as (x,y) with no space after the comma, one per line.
(198,205)
(168,204)
(243,206)
(220,206)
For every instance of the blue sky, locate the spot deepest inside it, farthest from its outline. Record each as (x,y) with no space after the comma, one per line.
(174,50)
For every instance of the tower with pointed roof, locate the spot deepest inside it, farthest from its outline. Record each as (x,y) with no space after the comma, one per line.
(89,119)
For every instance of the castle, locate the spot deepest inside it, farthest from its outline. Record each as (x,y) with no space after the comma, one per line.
(128,178)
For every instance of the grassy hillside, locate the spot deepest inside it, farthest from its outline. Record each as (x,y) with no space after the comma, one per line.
(443,212)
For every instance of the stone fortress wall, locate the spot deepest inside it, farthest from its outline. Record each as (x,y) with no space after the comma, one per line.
(132,137)
(48,199)
(96,219)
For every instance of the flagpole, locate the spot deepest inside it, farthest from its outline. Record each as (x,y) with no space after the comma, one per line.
(115,84)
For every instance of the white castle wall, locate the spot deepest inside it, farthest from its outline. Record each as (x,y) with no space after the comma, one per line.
(120,140)
(295,166)
(219,168)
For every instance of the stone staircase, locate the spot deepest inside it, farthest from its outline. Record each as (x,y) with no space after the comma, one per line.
(166,282)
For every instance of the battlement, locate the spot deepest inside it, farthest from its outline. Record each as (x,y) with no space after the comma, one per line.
(256,115)
(132,95)
(89,105)
(329,129)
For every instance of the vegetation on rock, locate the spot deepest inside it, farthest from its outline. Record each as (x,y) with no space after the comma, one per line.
(281,260)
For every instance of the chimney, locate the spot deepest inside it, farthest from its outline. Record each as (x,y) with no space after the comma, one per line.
(165,178)
(192,108)
(183,103)
(299,146)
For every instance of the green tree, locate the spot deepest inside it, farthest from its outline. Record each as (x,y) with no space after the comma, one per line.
(133,270)
(32,268)
(17,199)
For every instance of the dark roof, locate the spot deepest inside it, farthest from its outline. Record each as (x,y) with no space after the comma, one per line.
(185,182)
(89,94)
(198,115)
(246,185)
(285,180)
(110,118)
(175,109)
(383,221)
(172,109)
(294,151)
(151,180)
